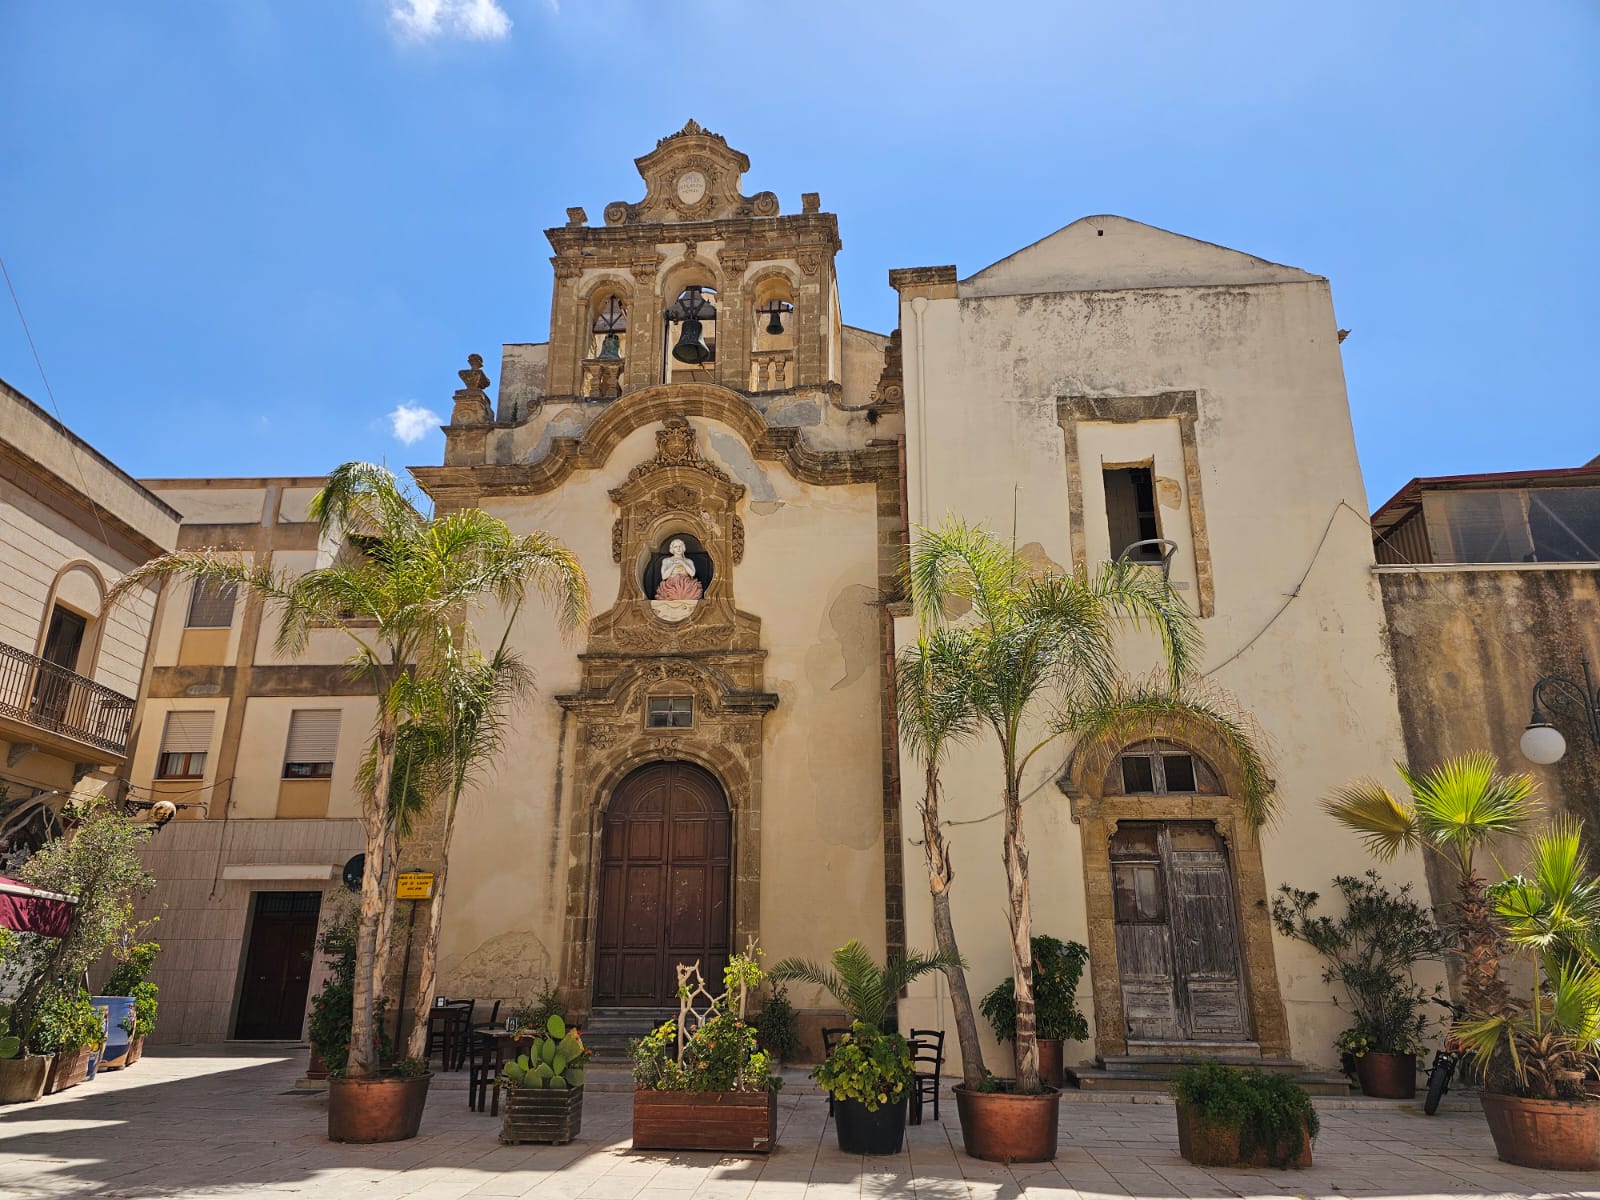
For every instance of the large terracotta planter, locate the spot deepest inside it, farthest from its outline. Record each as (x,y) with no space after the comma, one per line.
(22,1079)
(733,1122)
(1389,1076)
(1004,1127)
(1552,1135)
(1213,1144)
(552,1116)
(383,1108)
(1052,1064)
(69,1070)
(863,1132)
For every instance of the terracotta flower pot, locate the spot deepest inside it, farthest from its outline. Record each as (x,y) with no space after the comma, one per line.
(382,1108)
(1213,1144)
(22,1079)
(1052,1066)
(1552,1135)
(70,1068)
(1390,1076)
(1005,1127)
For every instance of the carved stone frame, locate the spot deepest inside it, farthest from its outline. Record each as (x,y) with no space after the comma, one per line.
(1180,406)
(1097,814)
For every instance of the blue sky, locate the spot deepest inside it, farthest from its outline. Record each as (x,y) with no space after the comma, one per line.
(244,232)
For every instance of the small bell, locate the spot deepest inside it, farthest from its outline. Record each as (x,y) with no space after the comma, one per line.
(775,323)
(691,347)
(611,347)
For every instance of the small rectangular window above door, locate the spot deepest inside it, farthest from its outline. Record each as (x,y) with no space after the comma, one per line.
(1131,511)
(669,712)
(211,605)
(184,744)
(313,743)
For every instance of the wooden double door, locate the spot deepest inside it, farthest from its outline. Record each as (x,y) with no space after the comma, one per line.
(1178,948)
(277,965)
(665,870)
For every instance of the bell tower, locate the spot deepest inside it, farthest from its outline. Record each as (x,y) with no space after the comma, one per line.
(696,282)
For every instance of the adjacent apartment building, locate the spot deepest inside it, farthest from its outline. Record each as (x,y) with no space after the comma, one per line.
(71,524)
(260,752)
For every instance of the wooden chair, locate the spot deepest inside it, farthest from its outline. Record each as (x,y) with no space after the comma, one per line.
(927,1063)
(494,1017)
(484,1062)
(448,1026)
(830,1037)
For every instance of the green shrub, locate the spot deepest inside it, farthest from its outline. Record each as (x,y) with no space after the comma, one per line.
(868,1065)
(776,1027)
(1270,1112)
(66,1022)
(129,980)
(1057,967)
(537,1015)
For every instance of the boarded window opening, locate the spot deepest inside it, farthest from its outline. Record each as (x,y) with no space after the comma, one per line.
(1131,511)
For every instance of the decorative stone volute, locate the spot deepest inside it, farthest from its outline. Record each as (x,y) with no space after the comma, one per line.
(692,175)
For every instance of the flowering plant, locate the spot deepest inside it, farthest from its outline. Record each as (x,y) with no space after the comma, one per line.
(868,1065)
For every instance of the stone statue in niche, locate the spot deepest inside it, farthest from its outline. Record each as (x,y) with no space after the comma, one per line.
(677,578)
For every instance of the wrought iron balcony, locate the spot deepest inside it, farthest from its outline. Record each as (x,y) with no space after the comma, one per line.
(51,698)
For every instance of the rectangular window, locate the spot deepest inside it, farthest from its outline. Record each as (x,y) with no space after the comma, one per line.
(184,744)
(211,605)
(669,712)
(1131,511)
(1179,770)
(1138,774)
(313,742)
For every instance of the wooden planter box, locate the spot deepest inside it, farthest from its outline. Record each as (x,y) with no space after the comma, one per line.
(549,1115)
(1209,1145)
(69,1069)
(733,1122)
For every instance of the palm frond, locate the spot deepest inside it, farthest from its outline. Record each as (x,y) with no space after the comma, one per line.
(1386,824)
(1145,599)
(1465,801)
(932,693)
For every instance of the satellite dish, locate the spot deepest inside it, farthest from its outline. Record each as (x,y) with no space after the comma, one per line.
(354,870)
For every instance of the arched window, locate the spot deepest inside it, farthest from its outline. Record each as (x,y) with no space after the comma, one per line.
(608,331)
(1159,768)
(690,344)
(772,330)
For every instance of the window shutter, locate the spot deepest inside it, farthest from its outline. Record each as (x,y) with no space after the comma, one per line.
(313,736)
(211,606)
(187,733)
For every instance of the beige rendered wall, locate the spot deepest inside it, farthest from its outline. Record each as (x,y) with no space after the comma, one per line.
(809,574)
(1279,473)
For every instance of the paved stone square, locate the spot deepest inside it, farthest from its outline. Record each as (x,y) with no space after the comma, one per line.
(227,1122)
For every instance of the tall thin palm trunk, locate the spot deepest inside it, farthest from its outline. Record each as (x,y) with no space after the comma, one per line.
(370,934)
(1021,922)
(941,874)
(427,972)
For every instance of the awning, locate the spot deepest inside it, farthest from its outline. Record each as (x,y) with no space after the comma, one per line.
(34,910)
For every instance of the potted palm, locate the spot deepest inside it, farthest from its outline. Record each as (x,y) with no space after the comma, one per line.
(868,1071)
(1534,1057)
(1033,653)
(702,1081)
(1057,967)
(1371,950)
(403,605)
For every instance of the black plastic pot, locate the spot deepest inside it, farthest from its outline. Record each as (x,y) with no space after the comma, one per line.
(863,1132)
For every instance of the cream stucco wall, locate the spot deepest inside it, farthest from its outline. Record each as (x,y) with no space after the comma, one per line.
(809,574)
(1297,635)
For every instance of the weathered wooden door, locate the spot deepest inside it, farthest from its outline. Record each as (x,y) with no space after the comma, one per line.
(277,966)
(664,874)
(1177,933)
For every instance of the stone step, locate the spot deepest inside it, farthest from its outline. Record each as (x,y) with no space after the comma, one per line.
(1152,1079)
(1164,1064)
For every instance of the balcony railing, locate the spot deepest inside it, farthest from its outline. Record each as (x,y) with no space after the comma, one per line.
(52,698)
(770,370)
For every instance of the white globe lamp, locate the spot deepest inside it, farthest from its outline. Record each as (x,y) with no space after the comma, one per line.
(1543,744)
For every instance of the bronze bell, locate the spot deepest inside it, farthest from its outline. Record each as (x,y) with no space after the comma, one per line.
(691,347)
(775,322)
(611,346)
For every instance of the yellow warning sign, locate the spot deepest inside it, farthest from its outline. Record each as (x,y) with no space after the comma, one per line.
(414,885)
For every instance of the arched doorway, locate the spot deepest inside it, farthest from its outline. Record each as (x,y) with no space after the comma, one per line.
(664,881)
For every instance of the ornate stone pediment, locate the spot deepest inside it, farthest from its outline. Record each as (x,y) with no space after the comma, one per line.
(676,447)
(692,175)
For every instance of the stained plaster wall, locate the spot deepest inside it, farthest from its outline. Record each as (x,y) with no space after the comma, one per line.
(1278,465)
(810,574)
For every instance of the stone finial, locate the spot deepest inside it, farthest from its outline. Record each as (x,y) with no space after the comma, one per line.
(810,202)
(576,216)
(473,379)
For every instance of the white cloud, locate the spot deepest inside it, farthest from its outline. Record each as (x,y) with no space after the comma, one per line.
(410,423)
(475,20)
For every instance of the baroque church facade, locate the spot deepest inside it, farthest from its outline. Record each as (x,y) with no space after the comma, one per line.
(715,759)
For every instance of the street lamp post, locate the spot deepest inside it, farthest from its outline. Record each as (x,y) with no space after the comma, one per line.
(1542,742)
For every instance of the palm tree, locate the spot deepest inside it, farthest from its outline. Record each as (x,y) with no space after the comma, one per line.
(864,989)
(403,604)
(1037,641)
(1552,913)
(1453,811)
(934,714)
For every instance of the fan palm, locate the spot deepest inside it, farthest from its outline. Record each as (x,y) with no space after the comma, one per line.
(935,714)
(864,989)
(403,605)
(1034,639)
(1453,811)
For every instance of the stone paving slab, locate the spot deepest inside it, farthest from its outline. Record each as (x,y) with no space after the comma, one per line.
(218,1123)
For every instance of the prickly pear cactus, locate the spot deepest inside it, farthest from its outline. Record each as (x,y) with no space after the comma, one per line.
(554,1060)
